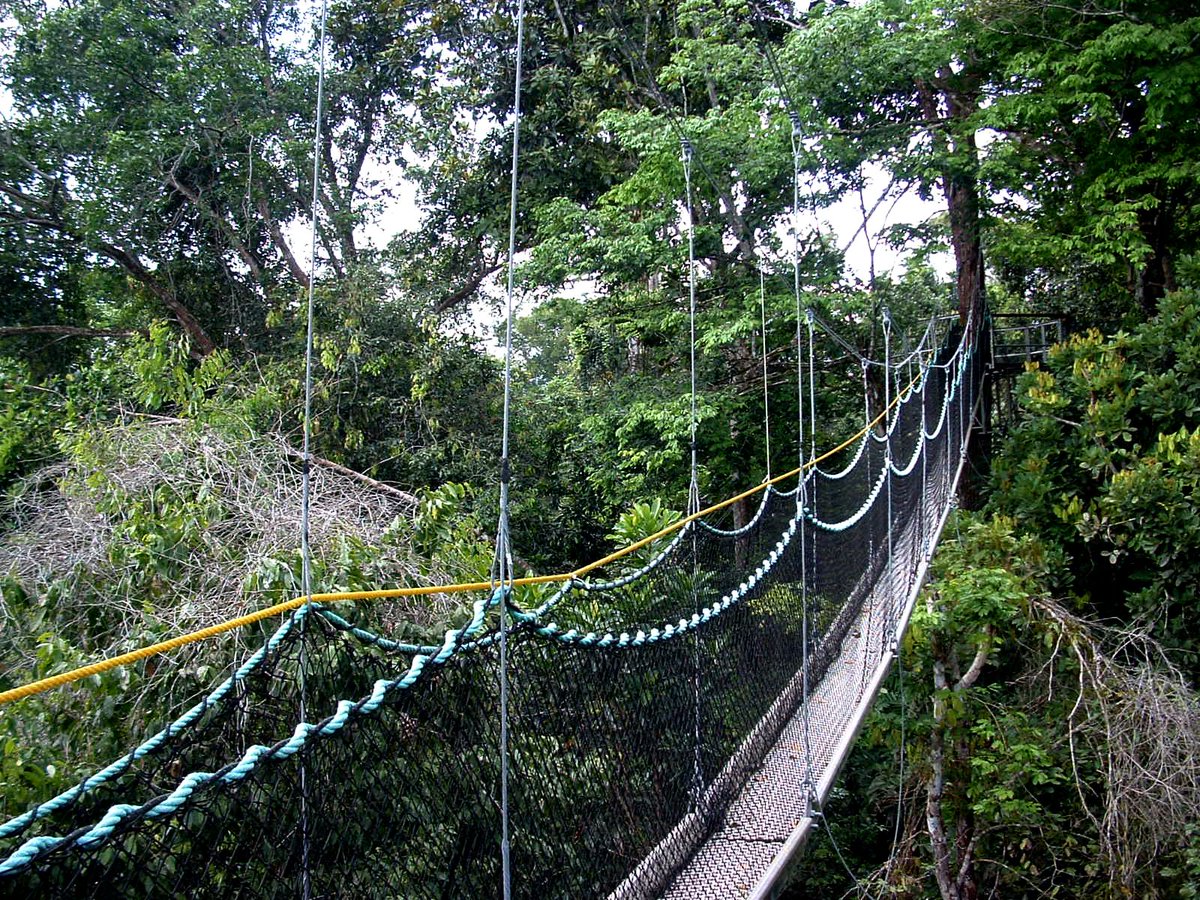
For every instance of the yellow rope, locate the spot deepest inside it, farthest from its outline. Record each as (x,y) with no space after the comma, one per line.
(104,665)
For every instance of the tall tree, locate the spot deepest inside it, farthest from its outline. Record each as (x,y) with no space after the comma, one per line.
(173,144)
(899,85)
(1093,109)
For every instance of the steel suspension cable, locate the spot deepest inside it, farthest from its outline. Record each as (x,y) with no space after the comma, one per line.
(762,308)
(502,564)
(809,489)
(306,452)
(802,511)
(866,397)
(686,155)
(812,390)
(887,456)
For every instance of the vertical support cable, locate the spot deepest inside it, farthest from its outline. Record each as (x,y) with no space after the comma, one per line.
(887,455)
(810,506)
(306,454)
(802,487)
(812,389)
(869,438)
(866,396)
(762,308)
(796,136)
(947,425)
(962,390)
(926,523)
(686,155)
(502,566)
(810,317)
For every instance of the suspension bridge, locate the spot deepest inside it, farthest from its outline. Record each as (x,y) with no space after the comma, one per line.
(666,722)
(674,716)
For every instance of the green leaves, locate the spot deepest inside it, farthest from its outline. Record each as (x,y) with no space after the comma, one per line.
(1105,463)
(641,521)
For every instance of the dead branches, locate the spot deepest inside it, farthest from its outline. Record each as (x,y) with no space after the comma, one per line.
(173,523)
(1140,719)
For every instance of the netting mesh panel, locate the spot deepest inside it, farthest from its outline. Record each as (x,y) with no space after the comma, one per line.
(862,576)
(638,711)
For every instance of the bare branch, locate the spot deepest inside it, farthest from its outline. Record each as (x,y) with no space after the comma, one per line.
(69,331)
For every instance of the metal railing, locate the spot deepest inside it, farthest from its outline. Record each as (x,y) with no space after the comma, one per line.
(1029,341)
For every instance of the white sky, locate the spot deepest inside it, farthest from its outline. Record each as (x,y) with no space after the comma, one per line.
(843,219)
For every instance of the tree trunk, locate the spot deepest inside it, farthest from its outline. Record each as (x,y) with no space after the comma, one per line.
(935,785)
(962,200)
(946,783)
(1156,278)
(958,94)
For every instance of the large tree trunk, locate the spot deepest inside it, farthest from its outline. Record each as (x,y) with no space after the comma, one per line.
(1156,278)
(956,96)
(962,200)
(946,783)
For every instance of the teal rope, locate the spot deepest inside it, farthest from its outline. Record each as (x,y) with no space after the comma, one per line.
(256,755)
(150,745)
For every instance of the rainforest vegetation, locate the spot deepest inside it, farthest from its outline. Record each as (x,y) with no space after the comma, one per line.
(1041,736)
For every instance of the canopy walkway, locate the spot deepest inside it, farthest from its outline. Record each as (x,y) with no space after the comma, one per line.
(664,722)
(671,731)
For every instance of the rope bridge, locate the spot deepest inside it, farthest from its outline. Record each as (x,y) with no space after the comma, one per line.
(670,731)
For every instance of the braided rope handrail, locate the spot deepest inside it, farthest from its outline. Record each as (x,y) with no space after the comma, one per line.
(30,850)
(849,467)
(738,532)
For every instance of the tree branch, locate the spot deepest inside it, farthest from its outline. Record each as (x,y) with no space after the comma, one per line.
(469,287)
(51,219)
(281,244)
(69,331)
(984,648)
(405,496)
(221,222)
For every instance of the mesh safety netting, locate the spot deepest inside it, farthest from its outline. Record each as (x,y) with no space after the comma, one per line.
(639,709)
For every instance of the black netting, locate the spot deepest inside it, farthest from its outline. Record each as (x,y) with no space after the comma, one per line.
(640,711)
